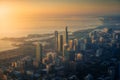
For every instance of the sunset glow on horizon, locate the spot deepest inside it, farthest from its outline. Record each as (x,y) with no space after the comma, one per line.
(24,14)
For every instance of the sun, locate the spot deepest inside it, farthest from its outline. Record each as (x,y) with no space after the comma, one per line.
(4,10)
(4,18)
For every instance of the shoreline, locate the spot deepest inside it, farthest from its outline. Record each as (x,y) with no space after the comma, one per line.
(22,39)
(3,53)
(14,47)
(77,34)
(8,49)
(19,47)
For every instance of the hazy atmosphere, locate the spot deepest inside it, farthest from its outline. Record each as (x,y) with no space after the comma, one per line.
(27,16)
(59,39)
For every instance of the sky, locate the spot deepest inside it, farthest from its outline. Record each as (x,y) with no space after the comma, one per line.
(23,14)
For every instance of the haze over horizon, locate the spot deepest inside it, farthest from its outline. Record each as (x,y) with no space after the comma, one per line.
(21,15)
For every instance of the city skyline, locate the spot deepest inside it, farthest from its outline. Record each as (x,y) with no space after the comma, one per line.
(91,54)
(59,39)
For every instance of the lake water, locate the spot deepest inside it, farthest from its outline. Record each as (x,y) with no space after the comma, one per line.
(50,26)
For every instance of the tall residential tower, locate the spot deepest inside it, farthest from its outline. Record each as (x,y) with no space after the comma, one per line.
(39,52)
(56,40)
(60,43)
(66,35)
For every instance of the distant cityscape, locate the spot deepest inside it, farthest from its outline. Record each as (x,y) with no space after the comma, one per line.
(59,39)
(92,57)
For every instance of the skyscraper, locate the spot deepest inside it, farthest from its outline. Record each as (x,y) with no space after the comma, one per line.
(75,44)
(65,51)
(56,40)
(83,46)
(71,44)
(39,52)
(66,35)
(60,43)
